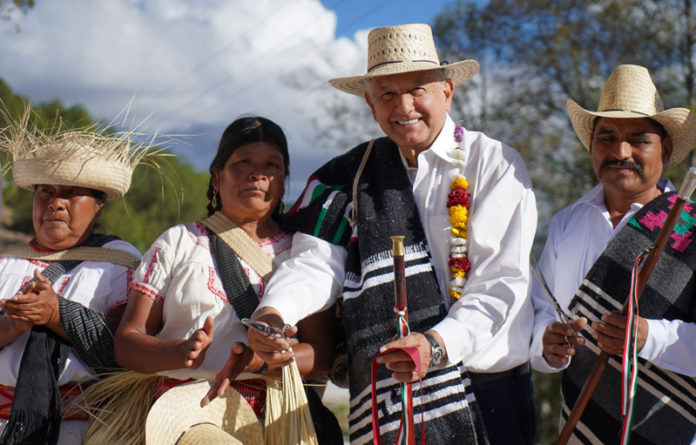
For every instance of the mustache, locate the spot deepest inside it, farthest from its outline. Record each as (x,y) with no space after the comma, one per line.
(623,163)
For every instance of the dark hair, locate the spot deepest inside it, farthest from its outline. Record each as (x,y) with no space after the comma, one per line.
(243,131)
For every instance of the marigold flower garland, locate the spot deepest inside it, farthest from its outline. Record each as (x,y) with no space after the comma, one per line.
(458,203)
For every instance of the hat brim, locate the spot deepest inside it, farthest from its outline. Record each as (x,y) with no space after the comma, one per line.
(109,177)
(679,123)
(459,72)
(179,409)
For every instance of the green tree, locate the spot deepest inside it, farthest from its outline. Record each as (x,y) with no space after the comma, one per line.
(157,199)
(534,55)
(8,7)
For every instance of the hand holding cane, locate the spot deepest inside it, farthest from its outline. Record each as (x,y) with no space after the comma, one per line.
(687,188)
(406,433)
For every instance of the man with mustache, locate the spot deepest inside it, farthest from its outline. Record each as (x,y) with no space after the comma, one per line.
(631,139)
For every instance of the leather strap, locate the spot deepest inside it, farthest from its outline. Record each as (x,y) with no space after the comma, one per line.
(235,281)
(105,254)
(242,244)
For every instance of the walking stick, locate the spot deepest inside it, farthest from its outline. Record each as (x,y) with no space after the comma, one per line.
(406,433)
(685,191)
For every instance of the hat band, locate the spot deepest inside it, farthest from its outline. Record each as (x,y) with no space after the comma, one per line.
(401,61)
(625,111)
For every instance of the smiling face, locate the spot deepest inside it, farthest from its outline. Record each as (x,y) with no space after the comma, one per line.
(628,156)
(64,216)
(251,182)
(411,108)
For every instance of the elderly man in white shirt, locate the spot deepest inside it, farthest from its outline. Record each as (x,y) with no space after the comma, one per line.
(466,207)
(630,139)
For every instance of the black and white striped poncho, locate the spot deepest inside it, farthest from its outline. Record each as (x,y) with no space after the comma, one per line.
(665,404)
(386,207)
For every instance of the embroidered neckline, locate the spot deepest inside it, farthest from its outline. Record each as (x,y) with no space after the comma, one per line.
(458,203)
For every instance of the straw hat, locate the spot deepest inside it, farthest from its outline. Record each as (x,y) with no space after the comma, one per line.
(403,49)
(178,418)
(631,93)
(91,157)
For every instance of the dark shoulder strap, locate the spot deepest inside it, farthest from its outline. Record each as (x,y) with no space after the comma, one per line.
(235,281)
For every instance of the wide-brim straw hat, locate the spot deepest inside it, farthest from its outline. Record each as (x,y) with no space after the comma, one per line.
(631,93)
(403,49)
(178,418)
(93,157)
(112,178)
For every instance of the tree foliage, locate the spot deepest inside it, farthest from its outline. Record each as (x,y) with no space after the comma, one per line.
(8,7)
(156,199)
(534,55)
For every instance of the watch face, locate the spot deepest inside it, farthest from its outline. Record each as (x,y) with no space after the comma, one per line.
(436,356)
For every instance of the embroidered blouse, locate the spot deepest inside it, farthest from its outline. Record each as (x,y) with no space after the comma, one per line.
(99,286)
(179,271)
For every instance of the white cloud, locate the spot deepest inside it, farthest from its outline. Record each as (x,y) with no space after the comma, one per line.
(192,65)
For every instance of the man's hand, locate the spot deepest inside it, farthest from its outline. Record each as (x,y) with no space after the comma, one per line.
(240,356)
(404,369)
(194,348)
(272,349)
(37,305)
(559,341)
(610,332)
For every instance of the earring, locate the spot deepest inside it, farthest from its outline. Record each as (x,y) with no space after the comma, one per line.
(214,201)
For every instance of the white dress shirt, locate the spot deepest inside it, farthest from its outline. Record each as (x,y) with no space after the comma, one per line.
(578,235)
(490,326)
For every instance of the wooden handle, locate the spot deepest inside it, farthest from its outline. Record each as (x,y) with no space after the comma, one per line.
(685,191)
(399,272)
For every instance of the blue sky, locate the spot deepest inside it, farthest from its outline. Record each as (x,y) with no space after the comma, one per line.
(363,14)
(192,67)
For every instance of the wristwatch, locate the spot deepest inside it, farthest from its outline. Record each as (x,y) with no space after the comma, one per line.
(436,353)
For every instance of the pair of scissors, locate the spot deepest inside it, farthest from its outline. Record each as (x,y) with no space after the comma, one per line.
(540,278)
(268,330)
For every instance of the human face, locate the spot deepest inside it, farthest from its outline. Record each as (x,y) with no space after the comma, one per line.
(628,157)
(64,215)
(411,108)
(251,182)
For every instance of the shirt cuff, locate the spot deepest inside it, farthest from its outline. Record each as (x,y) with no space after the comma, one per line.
(652,349)
(456,342)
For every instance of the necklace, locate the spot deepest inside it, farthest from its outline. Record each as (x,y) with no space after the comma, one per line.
(458,203)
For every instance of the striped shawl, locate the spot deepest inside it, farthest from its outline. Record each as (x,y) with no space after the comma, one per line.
(385,207)
(665,404)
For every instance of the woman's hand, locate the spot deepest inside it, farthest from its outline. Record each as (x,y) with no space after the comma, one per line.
(11,328)
(559,341)
(240,357)
(36,305)
(272,349)
(195,347)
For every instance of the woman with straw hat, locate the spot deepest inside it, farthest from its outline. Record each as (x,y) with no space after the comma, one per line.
(63,293)
(198,280)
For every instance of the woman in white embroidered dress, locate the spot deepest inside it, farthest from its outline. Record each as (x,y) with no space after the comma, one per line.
(179,322)
(72,176)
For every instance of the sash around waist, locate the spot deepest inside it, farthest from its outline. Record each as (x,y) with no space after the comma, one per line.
(68,393)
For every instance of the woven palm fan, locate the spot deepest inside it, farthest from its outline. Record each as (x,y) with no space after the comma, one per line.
(288,420)
(117,406)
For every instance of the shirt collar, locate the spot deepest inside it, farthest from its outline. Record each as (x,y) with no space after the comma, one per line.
(444,142)
(441,146)
(595,197)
